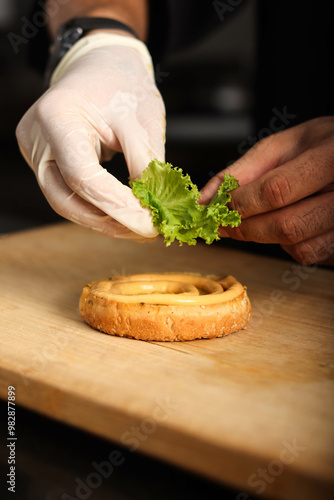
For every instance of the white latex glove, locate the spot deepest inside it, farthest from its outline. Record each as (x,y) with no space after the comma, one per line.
(102,99)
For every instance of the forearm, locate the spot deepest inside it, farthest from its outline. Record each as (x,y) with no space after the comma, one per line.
(134,13)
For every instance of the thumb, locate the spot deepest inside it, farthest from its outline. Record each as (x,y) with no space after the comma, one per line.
(265,155)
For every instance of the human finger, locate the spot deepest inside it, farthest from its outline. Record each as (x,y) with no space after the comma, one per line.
(314,250)
(290,225)
(71,206)
(76,151)
(295,180)
(271,152)
(140,133)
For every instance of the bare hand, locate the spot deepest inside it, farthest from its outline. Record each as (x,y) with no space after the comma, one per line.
(286,192)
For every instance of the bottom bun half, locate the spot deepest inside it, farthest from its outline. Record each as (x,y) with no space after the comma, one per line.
(166,307)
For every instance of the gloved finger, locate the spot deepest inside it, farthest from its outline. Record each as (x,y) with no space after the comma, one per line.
(76,152)
(144,146)
(70,205)
(139,124)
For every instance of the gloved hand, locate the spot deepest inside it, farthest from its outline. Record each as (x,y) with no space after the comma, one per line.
(102,99)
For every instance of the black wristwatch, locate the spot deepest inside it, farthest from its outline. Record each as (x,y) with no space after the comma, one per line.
(70,32)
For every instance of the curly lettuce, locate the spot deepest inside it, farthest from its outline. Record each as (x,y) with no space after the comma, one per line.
(176,213)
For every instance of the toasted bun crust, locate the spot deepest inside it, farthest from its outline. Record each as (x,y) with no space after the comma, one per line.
(166,307)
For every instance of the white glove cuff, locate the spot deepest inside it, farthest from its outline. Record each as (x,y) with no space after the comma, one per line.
(90,42)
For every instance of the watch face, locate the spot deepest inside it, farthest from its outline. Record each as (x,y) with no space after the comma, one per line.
(65,39)
(70,36)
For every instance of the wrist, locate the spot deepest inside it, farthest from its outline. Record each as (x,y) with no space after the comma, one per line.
(110,31)
(76,29)
(133,13)
(122,15)
(95,41)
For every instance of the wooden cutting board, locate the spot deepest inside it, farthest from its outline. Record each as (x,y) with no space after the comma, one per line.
(254,410)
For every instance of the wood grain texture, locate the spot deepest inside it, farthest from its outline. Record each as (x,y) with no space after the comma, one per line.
(254,409)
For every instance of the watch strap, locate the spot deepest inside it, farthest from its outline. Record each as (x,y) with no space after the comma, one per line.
(74,29)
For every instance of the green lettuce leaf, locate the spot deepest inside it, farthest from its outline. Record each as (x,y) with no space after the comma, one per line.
(176,213)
